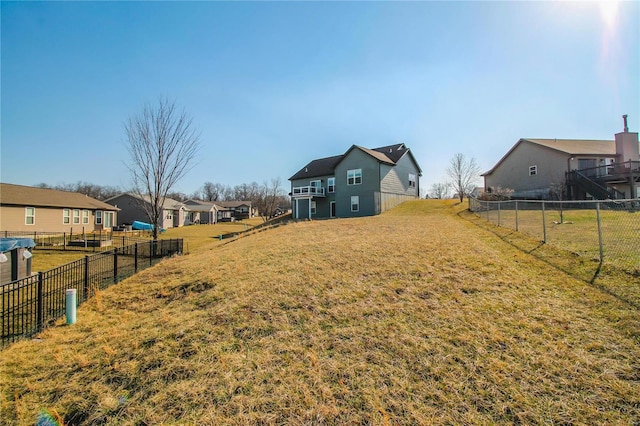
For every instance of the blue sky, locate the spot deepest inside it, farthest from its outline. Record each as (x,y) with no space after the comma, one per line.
(273,85)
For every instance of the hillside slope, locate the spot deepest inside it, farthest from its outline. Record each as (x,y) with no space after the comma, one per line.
(412,317)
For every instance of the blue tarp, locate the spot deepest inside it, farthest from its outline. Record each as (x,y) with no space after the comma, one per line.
(8,244)
(143,226)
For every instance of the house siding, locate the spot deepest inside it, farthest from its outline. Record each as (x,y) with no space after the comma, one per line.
(47,219)
(357,159)
(513,172)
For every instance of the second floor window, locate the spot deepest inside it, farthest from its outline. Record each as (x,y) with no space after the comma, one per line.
(98,217)
(354,177)
(66,216)
(85,216)
(76,216)
(331,184)
(412,180)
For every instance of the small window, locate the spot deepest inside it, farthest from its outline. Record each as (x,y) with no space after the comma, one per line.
(331,184)
(412,180)
(533,170)
(354,177)
(98,217)
(313,207)
(85,216)
(66,216)
(76,216)
(355,203)
(30,215)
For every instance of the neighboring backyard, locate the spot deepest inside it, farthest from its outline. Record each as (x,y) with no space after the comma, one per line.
(423,315)
(195,236)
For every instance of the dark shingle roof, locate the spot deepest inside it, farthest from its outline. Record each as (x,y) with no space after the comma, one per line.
(18,195)
(320,167)
(394,152)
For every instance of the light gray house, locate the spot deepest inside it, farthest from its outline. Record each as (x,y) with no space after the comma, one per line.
(132,208)
(569,168)
(360,182)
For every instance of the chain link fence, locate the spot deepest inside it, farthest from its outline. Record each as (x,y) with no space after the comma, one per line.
(603,231)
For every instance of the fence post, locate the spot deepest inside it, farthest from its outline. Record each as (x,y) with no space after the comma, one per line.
(135,257)
(64,240)
(40,313)
(599,232)
(150,252)
(499,203)
(544,225)
(115,265)
(86,278)
(516,215)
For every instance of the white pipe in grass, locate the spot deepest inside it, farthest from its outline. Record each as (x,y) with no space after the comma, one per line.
(71,305)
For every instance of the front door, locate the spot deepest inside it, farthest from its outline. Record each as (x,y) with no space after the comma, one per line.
(333,208)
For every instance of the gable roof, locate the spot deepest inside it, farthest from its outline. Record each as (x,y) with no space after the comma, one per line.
(169,203)
(19,195)
(389,154)
(567,146)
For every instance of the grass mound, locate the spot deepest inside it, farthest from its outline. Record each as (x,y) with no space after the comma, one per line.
(416,316)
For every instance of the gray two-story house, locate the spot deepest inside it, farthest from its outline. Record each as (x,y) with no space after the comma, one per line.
(360,182)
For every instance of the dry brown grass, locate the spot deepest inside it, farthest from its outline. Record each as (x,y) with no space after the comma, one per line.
(417,316)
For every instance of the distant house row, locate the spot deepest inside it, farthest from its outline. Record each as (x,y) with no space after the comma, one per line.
(569,168)
(176,213)
(29,209)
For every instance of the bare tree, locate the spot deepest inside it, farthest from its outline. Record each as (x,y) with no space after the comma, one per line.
(212,191)
(162,144)
(269,198)
(463,173)
(440,190)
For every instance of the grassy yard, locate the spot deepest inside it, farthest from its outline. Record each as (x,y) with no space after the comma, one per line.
(195,237)
(417,316)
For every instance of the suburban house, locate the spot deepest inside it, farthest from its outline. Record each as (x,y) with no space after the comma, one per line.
(360,182)
(132,208)
(201,212)
(570,169)
(235,210)
(25,208)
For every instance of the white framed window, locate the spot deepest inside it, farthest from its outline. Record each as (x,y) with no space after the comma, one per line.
(85,216)
(313,207)
(354,177)
(66,216)
(315,183)
(331,184)
(108,220)
(98,217)
(412,180)
(30,215)
(76,216)
(355,203)
(533,170)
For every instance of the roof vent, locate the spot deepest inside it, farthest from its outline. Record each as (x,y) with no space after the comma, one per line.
(626,127)
(306,169)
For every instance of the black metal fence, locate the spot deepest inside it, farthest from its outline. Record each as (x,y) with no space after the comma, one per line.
(33,303)
(82,241)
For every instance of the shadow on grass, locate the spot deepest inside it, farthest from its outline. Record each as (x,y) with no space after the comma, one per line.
(616,282)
